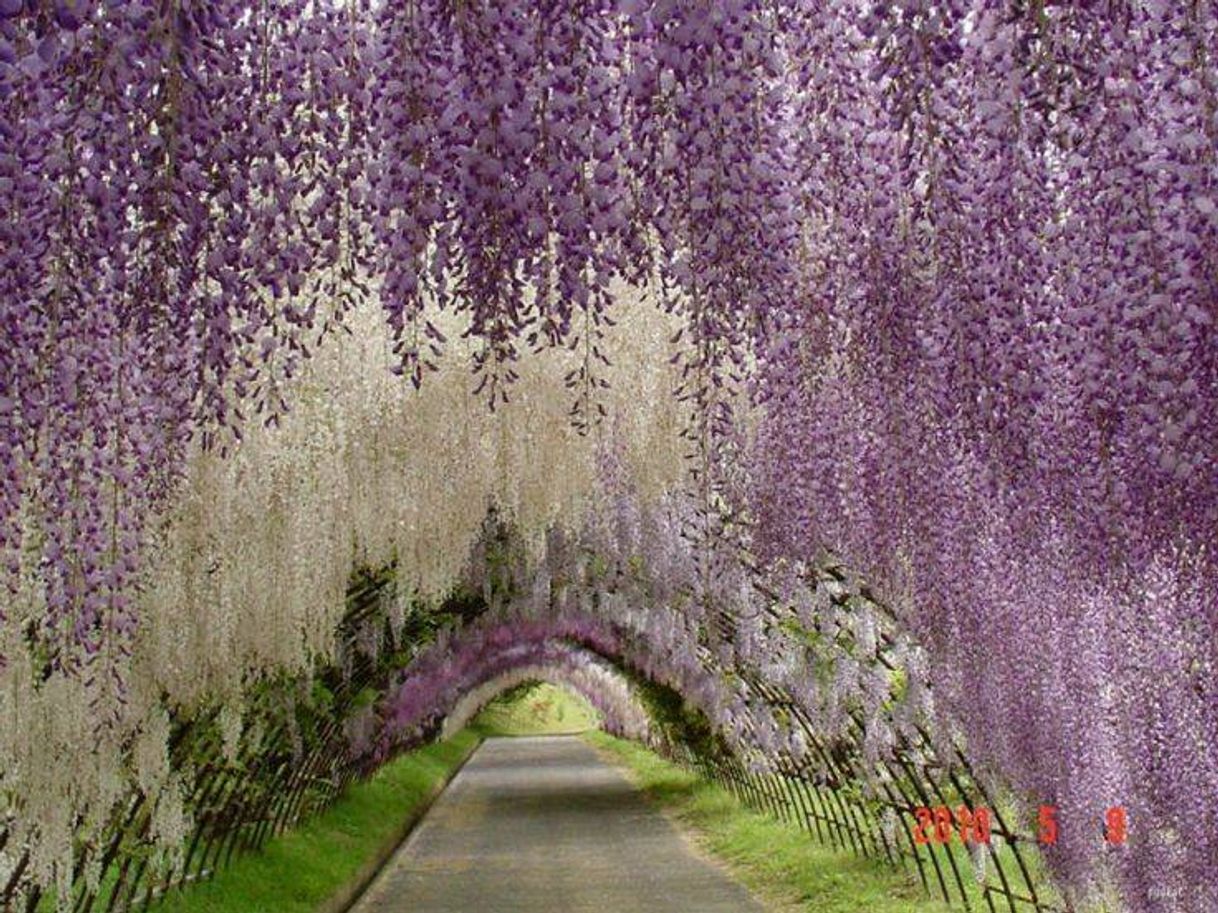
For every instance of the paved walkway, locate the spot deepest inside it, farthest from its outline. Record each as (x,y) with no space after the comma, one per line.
(543,825)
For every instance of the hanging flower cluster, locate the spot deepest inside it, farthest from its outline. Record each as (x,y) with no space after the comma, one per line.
(1000,400)
(195,193)
(531,153)
(500,184)
(247,571)
(176,230)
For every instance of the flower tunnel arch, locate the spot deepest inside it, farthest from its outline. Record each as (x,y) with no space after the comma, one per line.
(763,743)
(591,679)
(774,749)
(862,356)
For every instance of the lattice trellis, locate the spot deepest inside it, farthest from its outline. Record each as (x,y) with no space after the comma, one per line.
(1006,874)
(237,803)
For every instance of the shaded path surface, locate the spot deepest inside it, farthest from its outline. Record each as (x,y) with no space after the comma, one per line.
(543,825)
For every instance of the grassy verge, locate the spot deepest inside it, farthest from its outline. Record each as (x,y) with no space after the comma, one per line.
(307,869)
(777,861)
(302,870)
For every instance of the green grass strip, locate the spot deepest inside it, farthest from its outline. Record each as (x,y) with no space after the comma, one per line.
(780,863)
(304,869)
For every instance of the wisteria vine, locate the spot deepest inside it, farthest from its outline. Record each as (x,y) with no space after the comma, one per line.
(961,257)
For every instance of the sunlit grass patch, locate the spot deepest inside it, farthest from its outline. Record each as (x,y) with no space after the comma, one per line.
(538,708)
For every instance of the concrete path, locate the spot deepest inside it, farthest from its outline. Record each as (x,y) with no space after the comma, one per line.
(543,825)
